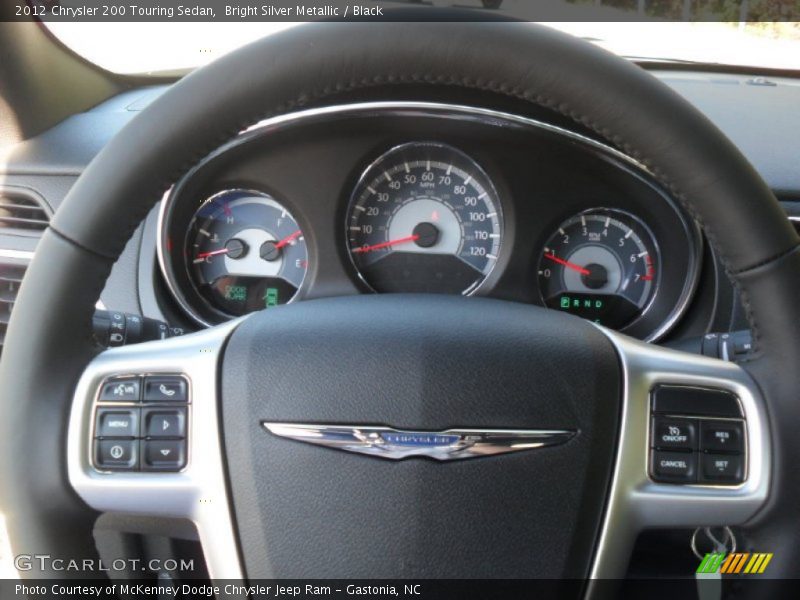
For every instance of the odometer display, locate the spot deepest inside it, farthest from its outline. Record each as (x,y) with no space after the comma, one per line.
(601,265)
(424,218)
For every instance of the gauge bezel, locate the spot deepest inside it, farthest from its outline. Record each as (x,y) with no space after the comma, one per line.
(483,284)
(607,211)
(453,116)
(168,267)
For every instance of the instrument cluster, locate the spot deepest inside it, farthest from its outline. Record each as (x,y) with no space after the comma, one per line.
(427,198)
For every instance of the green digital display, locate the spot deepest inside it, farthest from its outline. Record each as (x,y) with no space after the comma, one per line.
(236,292)
(271,297)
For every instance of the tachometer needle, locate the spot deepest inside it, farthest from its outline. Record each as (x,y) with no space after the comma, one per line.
(568,264)
(362,249)
(288,239)
(203,255)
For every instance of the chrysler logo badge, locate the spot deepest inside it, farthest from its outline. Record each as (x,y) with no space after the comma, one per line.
(395,444)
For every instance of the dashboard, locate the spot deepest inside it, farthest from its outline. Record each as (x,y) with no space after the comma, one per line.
(412,197)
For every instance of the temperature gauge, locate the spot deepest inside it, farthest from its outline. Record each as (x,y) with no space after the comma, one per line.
(242,252)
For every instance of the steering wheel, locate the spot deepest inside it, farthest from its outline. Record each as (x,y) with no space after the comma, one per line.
(267,506)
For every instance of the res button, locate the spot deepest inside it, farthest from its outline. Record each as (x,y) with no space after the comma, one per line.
(722,436)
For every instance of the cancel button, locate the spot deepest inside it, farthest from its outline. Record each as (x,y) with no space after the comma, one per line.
(680,434)
(674,467)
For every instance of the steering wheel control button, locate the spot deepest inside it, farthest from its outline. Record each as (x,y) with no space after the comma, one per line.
(117,423)
(688,400)
(165,389)
(117,455)
(722,468)
(674,467)
(722,436)
(677,434)
(163,455)
(164,423)
(121,390)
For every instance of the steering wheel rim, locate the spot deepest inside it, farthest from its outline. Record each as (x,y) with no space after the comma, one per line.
(47,349)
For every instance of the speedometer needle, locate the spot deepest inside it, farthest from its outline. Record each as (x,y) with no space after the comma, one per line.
(361,249)
(568,264)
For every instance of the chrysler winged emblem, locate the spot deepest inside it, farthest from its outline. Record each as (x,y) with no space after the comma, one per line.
(395,444)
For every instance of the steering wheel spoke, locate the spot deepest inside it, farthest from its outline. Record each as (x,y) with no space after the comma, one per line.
(130,401)
(693,448)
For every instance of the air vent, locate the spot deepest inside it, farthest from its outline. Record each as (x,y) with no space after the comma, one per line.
(22,213)
(10,278)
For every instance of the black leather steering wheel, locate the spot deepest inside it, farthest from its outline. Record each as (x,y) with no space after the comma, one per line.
(49,343)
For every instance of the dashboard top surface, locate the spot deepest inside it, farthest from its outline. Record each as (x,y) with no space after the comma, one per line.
(758,113)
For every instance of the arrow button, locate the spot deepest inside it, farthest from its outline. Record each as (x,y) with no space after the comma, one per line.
(164,422)
(164,455)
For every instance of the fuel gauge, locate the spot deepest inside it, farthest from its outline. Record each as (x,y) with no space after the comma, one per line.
(243,252)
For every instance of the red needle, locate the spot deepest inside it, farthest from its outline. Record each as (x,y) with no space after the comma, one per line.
(288,239)
(410,238)
(566,263)
(213,253)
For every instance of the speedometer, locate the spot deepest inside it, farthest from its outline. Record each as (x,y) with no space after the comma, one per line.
(424,218)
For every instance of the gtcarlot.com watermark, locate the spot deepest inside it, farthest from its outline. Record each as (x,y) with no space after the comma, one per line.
(45,562)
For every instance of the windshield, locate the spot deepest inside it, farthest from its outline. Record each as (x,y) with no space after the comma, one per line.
(171,47)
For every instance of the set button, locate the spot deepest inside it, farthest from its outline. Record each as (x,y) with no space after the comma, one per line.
(723,468)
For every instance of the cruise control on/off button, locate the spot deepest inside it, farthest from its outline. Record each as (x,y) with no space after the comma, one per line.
(678,434)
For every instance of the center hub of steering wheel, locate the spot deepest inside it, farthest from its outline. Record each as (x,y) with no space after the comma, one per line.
(421,378)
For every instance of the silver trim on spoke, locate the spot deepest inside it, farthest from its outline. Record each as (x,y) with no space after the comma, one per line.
(635,502)
(199,492)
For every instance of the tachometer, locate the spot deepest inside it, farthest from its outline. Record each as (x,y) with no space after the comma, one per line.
(602,265)
(424,218)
